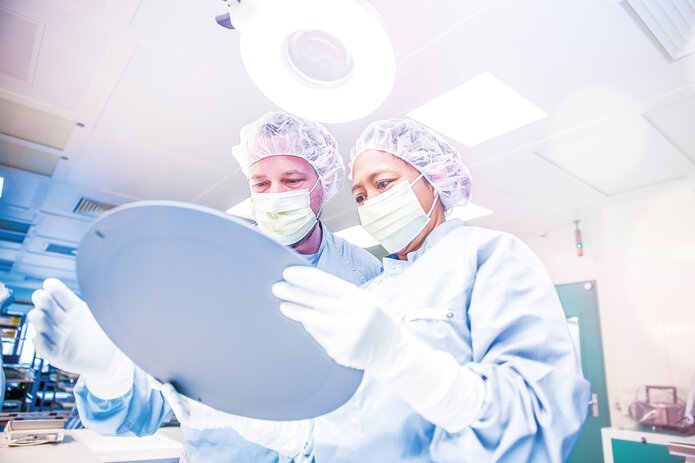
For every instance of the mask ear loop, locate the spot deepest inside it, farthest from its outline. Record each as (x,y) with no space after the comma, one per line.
(416,180)
(434,203)
(435,198)
(313,187)
(318,214)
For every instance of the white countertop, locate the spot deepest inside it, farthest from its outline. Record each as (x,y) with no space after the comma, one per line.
(86,446)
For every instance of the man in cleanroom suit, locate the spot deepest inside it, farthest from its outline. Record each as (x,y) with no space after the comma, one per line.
(292,166)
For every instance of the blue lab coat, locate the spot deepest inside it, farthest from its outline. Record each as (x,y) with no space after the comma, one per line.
(484,297)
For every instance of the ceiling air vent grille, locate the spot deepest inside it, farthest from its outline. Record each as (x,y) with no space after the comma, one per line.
(13,231)
(61,249)
(670,22)
(91,208)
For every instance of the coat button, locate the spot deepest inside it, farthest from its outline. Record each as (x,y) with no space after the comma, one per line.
(450,315)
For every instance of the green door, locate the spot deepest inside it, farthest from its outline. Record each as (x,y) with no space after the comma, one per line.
(579,300)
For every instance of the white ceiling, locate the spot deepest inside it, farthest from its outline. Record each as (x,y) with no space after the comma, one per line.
(161,93)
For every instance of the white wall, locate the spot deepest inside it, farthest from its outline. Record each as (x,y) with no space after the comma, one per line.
(642,254)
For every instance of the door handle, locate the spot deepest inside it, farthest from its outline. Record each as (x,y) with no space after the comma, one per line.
(594,405)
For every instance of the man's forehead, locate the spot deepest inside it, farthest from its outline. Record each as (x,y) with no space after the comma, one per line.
(280,165)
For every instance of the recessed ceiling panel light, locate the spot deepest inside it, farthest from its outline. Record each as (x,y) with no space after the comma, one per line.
(20,40)
(470,212)
(326,61)
(357,236)
(34,125)
(478,110)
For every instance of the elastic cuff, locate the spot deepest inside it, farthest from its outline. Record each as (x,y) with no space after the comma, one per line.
(471,403)
(432,381)
(290,446)
(116,383)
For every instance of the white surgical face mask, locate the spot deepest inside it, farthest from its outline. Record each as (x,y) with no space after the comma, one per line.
(395,217)
(285,216)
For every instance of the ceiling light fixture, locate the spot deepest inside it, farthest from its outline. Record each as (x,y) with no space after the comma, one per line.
(466,213)
(2,184)
(242,209)
(358,236)
(478,110)
(326,61)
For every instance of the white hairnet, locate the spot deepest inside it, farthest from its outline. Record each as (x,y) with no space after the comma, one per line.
(423,149)
(280,133)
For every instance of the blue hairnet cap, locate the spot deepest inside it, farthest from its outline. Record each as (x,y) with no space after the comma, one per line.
(423,149)
(280,133)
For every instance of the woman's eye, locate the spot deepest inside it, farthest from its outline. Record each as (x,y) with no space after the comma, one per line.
(359,199)
(381,184)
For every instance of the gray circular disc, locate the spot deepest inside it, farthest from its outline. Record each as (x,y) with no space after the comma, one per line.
(184,291)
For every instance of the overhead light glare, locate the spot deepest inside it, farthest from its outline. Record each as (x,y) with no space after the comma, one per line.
(470,212)
(330,62)
(317,58)
(2,184)
(478,110)
(358,236)
(242,209)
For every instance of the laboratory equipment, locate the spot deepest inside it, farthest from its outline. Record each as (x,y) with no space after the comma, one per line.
(659,413)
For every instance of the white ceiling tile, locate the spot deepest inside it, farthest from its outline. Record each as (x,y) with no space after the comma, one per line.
(620,157)
(542,221)
(193,110)
(190,29)
(228,192)
(20,38)
(61,228)
(24,155)
(533,181)
(72,50)
(504,205)
(677,122)
(19,186)
(42,271)
(47,260)
(112,164)
(434,21)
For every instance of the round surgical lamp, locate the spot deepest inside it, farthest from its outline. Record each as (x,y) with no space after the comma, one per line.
(325,60)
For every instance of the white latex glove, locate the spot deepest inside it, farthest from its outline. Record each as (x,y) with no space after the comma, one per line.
(349,323)
(346,320)
(288,438)
(68,337)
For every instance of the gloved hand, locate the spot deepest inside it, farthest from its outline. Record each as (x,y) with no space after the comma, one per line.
(350,324)
(347,321)
(288,438)
(68,337)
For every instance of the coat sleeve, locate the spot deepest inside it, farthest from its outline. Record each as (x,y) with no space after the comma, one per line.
(139,412)
(536,398)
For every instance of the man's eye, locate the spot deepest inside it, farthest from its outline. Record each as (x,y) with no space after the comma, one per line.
(293,181)
(259,185)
